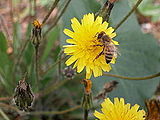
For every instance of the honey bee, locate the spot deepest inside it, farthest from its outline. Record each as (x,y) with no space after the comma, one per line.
(109,48)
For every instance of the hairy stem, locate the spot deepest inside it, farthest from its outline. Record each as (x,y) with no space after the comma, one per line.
(129,13)
(133,78)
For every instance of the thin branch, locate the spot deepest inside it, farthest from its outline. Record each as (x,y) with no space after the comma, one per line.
(52,87)
(36,65)
(52,66)
(133,78)
(21,52)
(5,98)
(35,9)
(56,21)
(129,13)
(4,115)
(10,107)
(49,13)
(53,112)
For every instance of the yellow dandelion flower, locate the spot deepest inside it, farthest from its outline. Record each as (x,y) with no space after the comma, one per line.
(82,43)
(119,111)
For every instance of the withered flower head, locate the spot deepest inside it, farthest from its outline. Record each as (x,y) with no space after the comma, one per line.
(69,72)
(23,95)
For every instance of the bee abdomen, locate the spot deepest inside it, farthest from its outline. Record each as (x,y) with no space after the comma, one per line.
(109,56)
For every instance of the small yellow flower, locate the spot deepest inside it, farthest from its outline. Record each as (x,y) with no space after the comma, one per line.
(119,111)
(82,47)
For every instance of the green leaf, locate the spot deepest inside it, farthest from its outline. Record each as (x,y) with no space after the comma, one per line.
(3,43)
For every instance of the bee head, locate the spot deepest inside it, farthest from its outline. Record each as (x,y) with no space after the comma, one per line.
(101,34)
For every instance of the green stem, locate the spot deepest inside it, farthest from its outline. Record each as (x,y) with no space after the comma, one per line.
(35,9)
(133,78)
(56,21)
(36,65)
(4,115)
(86,114)
(49,13)
(52,66)
(53,87)
(129,13)
(53,112)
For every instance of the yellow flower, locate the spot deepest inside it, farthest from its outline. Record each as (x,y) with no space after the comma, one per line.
(119,111)
(82,49)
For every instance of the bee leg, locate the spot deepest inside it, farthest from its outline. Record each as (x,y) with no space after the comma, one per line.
(101,53)
(98,45)
(96,35)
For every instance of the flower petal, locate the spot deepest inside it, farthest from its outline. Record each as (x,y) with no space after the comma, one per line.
(69,33)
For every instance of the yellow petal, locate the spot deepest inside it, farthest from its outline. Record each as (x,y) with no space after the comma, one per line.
(69,33)
(99,115)
(98,20)
(115,42)
(71,60)
(112,35)
(109,30)
(81,65)
(75,25)
(106,67)
(71,41)
(70,49)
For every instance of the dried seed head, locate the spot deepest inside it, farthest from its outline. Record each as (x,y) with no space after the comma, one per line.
(69,72)
(23,95)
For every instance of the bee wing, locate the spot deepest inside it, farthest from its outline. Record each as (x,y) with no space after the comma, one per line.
(116,50)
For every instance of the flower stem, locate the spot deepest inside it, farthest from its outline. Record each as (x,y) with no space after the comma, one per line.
(86,114)
(56,21)
(4,115)
(106,10)
(133,78)
(52,87)
(36,65)
(53,112)
(129,13)
(52,66)
(35,9)
(49,13)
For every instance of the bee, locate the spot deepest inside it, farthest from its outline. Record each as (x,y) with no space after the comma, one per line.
(109,48)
